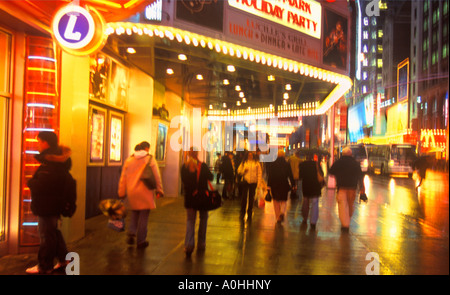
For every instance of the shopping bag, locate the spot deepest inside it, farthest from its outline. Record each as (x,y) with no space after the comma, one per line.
(116,211)
(117,224)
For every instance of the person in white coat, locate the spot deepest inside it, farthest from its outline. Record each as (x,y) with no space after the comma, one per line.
(140,199)
(251,171)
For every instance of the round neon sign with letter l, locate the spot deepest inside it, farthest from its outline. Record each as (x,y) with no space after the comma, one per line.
(78,30)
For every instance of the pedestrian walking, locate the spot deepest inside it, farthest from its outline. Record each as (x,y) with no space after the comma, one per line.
(195,176)
(139,197)
(217,166)
(280,181)
(47,189)
(251,172)
(228,175)
(311,189)
(294,162)
(421,165)
(348,174)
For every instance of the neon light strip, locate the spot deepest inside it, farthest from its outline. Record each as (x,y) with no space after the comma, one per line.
(40,129)
(41,105)
(30,224)
(108,3)
(32,165)
(31,140)
(42,57)
(41,69)
(40,93)
(32,152)
(27,200)
(130,3)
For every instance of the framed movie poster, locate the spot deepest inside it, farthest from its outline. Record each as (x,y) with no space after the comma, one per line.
(99,72)
(335,40)
(118,86)
(97,135)
(207,13)
(115,138)
(161,141)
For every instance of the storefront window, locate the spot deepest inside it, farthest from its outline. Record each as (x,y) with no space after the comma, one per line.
(5,67)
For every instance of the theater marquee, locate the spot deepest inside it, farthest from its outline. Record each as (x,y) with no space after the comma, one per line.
(304,16)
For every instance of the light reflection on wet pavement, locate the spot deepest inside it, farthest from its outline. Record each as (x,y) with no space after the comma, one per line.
(408,230)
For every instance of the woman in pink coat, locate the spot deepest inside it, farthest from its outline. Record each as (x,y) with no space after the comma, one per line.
(140,199)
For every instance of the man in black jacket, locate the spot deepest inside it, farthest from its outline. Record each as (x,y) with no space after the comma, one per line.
(348,176)
(47,202)
(311,189)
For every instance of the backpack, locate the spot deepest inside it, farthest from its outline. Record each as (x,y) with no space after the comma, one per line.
(69,196)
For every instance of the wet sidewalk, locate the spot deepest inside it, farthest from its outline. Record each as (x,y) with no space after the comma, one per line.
(402,245)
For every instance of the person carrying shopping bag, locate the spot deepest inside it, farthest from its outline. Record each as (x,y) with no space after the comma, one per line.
(251,172)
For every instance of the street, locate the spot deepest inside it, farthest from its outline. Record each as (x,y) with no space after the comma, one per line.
(398,232)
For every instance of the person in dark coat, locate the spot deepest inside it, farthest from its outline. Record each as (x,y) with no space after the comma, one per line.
(311,189)
(195,176)
(47,202)
(348,174)
(421,165)
(228,175)
(280,181)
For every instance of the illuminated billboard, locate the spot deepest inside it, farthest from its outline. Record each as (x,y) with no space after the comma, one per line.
(304,16)
(402,80)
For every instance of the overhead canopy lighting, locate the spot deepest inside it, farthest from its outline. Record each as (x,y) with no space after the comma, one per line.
(237,88)
(131,50)
(182,57)
(342,83)
(199,77)
(169,71)
(231,68)
(226,82)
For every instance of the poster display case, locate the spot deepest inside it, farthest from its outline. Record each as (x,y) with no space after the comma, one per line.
(158,145)
(97,135)
(115,138)
(105,137)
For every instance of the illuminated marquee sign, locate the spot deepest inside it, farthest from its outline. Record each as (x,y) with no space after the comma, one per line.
(301,15)
(78,30)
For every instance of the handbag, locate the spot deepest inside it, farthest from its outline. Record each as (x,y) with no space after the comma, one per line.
(147,176)
(268,197)
(320,178)
(206,200)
